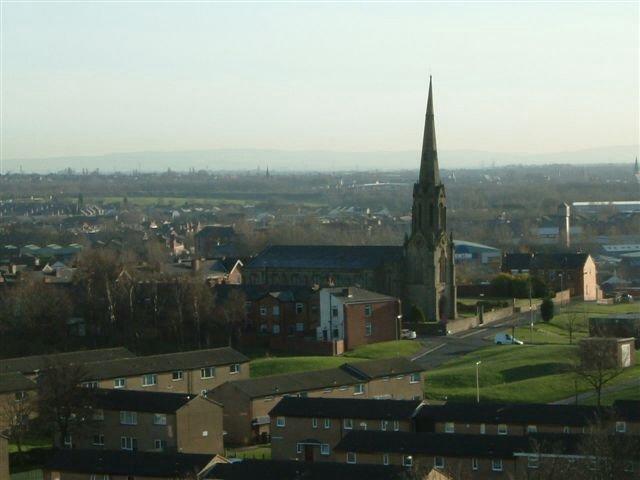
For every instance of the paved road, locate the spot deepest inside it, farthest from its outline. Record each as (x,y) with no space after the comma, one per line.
(438,350)
(591,394)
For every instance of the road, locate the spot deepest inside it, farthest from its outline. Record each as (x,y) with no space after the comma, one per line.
(439,350)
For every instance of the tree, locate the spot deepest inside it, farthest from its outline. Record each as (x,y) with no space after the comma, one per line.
(233,312)
(572,320)
(546,310)
(15,413)
(598,363)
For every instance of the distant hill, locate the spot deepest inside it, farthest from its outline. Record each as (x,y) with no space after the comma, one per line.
(308,160)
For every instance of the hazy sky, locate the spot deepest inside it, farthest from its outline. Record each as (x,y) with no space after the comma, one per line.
(82,78)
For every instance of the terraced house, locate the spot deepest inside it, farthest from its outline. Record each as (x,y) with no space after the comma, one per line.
(247,403)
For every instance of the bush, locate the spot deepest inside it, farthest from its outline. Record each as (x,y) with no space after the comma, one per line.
(417,315)
(517,286)
(546,310)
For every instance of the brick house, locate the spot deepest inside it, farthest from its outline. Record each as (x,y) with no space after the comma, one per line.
(358,316)
(309,428)
(150,421)
(14,387)
(182,372)
(123,465)
(211,240)
(573,271)
(247,403)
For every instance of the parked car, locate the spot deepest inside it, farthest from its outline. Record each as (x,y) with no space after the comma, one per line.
(407,334)
(506,339)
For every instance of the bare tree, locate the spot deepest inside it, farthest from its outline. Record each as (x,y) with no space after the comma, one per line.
(598,364)
(15,415)
(234,312)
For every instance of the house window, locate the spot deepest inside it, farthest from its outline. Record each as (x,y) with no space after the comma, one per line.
(532,461)
(314,423)
(91,384)
(532,428)
(358,389)
(98,414)
(328,390)
(128,418)
(120,383)
(327,423)
(399,377)
(160,445)
(368,310)
(280,422)
(334,312)
(496,464)
(263,311)
(621,427)
(19,396)
(438,462)
(149,380)
(566,429)
(385,379)
(368,329)
(299,327)
(483,428)
(98,440)
(299,308)
(348,423)
(628,467)
(68,441)
(474,464)
(177,375)
(235,368)
(276,329)
(363,425)
(396,425)
(207,372)
(159,419)
(263,328)
(383,425)
(449,427)
(324,449)
(502,429)
(407,461)
(276,310)
(351,457)
(299,448)
(344,387)
(128,443)
(414,378)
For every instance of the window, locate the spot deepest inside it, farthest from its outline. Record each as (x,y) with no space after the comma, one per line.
(98,440)
(327,423)
(351,457)
(120,383)
(532,428)
(177,375)
(328,390)
(299,327)
(383,425)
(235,368)
(496,464)
(348,423)
(483,429)
(276,329)
(368,310)
(407,461)
(358,389)
(298,448)
(621,427)
(159,419)
(343,388)
(149,379)
(314,422)
(102,477)
(128,443)
(160,444)
(566,429)
(334,312)
(474,464)
(414,378)
(128,418)
(438,462)
(502,429)
(396,425)
(449,427)
(368,329)
(385,379)
(98,414)
(68,441)
(263,311)
(92,384)
(399,377)
(628,467)
(276,310)
(263,328)
(532,461)
(19,396)
(207,372)
(280,421)
(324,449)
(385,459)
(299,308)
(363,425)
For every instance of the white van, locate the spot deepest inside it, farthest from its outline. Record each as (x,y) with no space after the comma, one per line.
(506,339)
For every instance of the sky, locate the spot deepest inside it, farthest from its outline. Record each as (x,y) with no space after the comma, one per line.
(103,77)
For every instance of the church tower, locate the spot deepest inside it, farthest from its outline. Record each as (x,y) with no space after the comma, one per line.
(429,250)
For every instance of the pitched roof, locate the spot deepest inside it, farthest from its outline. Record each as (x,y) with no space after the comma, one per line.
(337,257)
(15,382)
(294,470)
(284,293)
(120,462)
(345,408)
(532,261)
(164,363)
(219,231)
(38,362)
(383,367)
(137,401)
(359,295)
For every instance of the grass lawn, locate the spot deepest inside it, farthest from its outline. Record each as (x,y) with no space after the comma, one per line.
(259,452)
(275,365)
(31,443)
(630,393)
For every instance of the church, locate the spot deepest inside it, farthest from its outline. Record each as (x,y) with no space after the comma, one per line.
(421,272)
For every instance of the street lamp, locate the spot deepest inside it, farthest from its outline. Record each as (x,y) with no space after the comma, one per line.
(478,381)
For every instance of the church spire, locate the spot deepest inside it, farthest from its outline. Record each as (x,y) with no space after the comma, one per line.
(429,171)
(636,169)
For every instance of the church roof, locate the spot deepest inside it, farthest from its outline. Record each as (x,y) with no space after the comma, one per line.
(338,257)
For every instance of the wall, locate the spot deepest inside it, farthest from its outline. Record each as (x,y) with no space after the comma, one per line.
(199,427)
(384,322)
(4,458)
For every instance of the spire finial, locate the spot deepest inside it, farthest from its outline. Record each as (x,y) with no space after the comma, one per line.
(429,171)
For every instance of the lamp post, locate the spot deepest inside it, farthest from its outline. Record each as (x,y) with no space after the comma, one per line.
(478,381)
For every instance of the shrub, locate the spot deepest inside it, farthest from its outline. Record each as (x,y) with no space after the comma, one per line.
(546,309)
